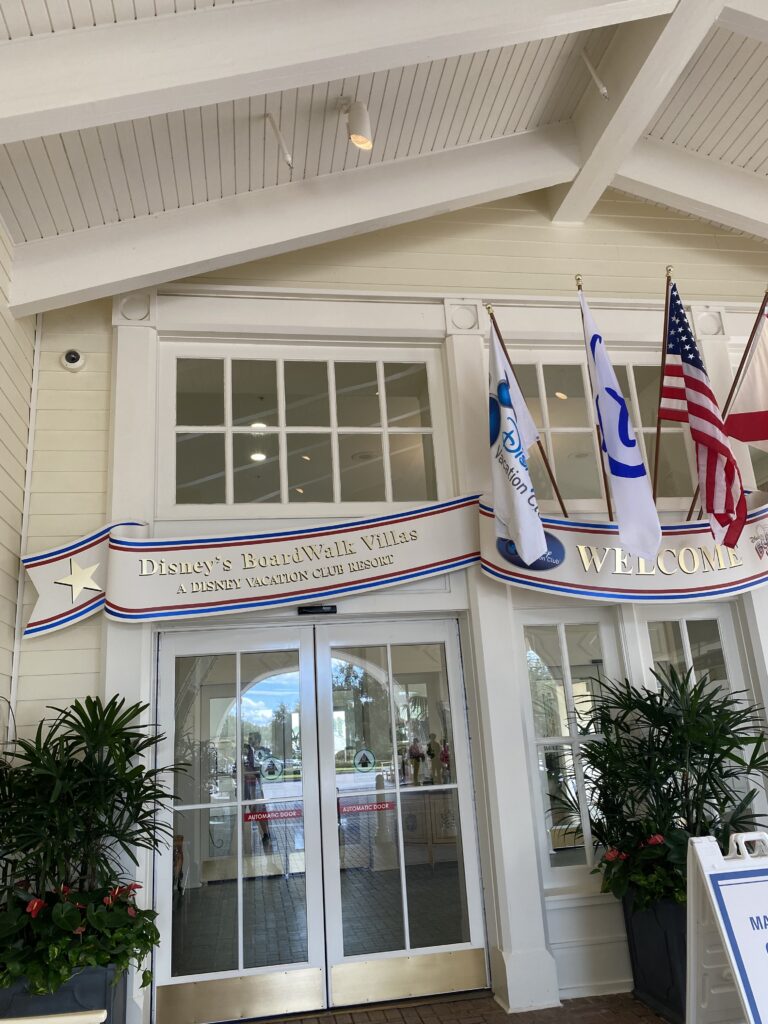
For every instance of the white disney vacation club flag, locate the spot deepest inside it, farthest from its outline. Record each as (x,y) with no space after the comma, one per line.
(634,507)
(512,434)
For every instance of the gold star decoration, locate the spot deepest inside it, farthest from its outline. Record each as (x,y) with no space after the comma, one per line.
(80,579)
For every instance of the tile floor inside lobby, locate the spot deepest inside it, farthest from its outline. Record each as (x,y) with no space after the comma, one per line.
(482,1009)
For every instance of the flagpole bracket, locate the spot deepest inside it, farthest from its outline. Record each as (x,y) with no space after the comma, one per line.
(579,281)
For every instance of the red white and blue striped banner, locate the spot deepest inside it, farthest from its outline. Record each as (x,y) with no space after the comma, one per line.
(144,580)
(587,560)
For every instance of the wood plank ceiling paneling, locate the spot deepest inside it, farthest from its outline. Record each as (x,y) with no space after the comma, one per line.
(68,182)
(717,107)
(19,18)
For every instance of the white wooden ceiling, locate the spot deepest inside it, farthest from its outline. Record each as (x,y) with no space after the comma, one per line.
(135,145)
(20,19)
(117,172)
(719,105)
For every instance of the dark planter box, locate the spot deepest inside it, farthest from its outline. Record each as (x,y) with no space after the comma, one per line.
(657,949)
(89,989)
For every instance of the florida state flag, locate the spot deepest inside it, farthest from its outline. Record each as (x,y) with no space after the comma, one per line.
(748,418)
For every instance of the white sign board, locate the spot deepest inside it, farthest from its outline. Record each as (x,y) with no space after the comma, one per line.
(728,931)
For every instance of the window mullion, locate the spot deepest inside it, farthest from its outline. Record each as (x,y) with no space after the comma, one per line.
(686,643)
(334,422)
(282,441)
(384,432)
(229,471)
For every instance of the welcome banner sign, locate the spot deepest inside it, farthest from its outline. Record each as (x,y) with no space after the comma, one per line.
(146,580)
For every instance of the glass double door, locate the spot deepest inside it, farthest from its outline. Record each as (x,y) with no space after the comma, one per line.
(323,846)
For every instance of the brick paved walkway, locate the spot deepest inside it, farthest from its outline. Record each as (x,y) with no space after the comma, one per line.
(482,1009)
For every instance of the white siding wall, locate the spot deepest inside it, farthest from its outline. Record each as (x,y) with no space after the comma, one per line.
(68,496)
(16,352)
(511,246)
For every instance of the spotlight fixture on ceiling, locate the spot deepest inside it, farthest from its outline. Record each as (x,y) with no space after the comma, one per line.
(599,83)
(286,154)
(358,122)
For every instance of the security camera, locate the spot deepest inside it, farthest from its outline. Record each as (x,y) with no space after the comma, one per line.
(72,360)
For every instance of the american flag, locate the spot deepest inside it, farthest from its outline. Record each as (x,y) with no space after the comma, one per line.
(687,397)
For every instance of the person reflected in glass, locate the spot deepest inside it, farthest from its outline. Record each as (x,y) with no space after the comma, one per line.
(433,753)
(417,758)
(252,787)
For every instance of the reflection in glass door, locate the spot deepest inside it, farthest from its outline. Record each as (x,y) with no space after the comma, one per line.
(321,822)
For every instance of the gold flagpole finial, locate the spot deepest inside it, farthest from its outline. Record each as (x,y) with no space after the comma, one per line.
(669,272)
(489,308)
(578,281)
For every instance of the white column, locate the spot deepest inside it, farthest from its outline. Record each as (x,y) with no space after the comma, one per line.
(523,971)
(128,657)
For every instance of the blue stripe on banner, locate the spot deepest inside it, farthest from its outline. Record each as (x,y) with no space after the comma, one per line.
(65,620)
(616,594)
(310,594)
(192,542)
(46,556)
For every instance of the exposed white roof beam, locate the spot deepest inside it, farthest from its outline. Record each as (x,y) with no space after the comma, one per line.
(80,79)
(95,262)
(671,175)
(639,69)
(747,18)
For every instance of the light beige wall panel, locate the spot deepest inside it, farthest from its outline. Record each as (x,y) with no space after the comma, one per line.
(16,355)
(68,497)
(511,247)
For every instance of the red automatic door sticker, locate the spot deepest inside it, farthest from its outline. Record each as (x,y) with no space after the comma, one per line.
(289,812)
(374,805)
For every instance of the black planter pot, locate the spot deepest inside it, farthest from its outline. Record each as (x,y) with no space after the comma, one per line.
(89,989)
(657,948)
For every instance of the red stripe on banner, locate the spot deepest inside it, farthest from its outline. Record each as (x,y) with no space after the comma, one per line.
(748,426)
(62,615)
(291,812)
(293,593)
(68,554)
(375,805)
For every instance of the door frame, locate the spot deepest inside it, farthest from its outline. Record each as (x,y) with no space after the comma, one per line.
(322,862)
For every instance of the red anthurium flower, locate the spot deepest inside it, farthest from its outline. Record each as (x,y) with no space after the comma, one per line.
(79,931)
(35,905)
(64,889)
(655,840)
(131,911)
(623,856)
(611,854)
(133,887)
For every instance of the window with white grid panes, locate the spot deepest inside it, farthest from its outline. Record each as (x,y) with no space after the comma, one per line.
(560,402)
(302,430)
(565,665)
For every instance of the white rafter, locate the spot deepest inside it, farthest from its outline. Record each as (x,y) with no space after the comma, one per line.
(68,81)
(747,18)
(694,184)
(94,262)
(641,66)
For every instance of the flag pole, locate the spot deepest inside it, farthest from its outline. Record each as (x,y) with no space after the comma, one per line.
(661,381)
(598,432)
(542,449)
(738,379)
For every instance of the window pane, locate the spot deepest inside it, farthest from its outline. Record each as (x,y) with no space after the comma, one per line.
(576,467)
(362,719)
(622,375)
(422,706)
(200,469)
(357,395)
(361,467)
(561,806)
(413,467)
(206,729)
(666,645)
(204,931)
(306,395)
(760,466)
(270,725)
(254,393)
(274,889)
(434,869)
(200,392)
(529,386)
(407,395)
(707,650)
(585,659)
(256,479)
(310,472)
(647,384)
(674,471)
(371,892)
(566,402)
(545,676)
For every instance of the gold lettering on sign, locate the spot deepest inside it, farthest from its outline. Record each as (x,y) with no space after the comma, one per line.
(661,564)
(693,560)
(590,557)
(734,559)
(643,569)
(669,561)
(623,568)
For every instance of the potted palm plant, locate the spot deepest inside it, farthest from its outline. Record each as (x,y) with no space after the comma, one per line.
(666,764)
(77,802)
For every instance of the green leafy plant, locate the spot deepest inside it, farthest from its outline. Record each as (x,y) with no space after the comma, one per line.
(670,763)
(77,802)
